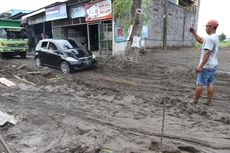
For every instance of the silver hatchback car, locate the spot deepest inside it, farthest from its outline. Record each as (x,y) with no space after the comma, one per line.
(66,54)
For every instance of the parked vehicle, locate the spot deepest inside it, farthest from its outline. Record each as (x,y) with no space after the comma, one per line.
(66,54)
(13,40)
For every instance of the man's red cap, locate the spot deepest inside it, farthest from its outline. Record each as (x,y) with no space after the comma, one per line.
(213,23)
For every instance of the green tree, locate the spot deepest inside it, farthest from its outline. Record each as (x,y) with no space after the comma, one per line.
(222,37)
(131,12)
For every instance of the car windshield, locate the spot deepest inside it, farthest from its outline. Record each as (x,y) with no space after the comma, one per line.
(73,49)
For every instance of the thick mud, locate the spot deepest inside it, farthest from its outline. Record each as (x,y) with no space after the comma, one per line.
(116,107)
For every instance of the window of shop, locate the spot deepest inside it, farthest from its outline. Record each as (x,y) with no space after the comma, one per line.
(106,37)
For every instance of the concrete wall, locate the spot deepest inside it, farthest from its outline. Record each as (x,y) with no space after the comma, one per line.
(179,20)
(156,25)
(119,48)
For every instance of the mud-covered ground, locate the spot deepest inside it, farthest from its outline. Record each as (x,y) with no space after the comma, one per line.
(117,105)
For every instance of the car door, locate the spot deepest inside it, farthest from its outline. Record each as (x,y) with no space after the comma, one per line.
(54,56)
(43,52)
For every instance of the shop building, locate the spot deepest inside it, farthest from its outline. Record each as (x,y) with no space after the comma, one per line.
(93,24)
(89,23)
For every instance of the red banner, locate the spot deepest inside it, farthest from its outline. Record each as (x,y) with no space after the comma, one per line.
(98,10)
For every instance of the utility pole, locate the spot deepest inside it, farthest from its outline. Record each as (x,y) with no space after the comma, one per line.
(165,27)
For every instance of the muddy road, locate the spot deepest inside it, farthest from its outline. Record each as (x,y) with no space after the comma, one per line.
(118,106)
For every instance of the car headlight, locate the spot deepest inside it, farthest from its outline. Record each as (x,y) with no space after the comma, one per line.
(71,59)
(93,56)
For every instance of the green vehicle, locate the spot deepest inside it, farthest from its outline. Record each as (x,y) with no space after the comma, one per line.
(13,40)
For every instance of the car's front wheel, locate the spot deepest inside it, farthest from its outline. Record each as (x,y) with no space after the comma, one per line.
(65,67)
(38,62)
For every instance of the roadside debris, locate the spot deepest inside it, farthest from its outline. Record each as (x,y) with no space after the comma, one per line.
(21,67)
(3,146)
(4,117)
(24,80)
(34,73)
(7,82)
(104,150)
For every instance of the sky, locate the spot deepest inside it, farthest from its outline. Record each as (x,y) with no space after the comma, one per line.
(25,4)
(214,9)
(209,9)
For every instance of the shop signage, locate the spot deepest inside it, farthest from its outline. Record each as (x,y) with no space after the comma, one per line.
(98,10)
(145,31)
(56,12)
(120,35)
(77,11)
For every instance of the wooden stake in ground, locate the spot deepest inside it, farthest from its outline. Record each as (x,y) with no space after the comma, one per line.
(3,145)
(24,80)
(162,129)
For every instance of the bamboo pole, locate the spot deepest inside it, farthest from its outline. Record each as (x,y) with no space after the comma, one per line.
(162,129)
(4,145)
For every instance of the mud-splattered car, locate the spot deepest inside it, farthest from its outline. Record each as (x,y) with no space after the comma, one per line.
(66,54)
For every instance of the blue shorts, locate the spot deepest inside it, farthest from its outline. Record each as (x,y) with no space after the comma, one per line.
(206,76)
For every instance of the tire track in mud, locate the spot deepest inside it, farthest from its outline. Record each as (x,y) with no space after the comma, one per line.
(190,141)
(158,79)
(141,83)
(98,119)
(145,85)
(95,119)
(151,80)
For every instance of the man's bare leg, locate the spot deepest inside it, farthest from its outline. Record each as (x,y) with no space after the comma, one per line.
(210,91)
(198,92)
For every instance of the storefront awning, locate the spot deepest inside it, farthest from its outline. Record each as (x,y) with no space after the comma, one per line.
(33,13)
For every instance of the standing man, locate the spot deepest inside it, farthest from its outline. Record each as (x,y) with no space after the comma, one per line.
(208,61)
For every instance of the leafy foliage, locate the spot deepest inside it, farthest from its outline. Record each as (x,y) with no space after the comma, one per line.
(122,11)
(121,8)
(147,6)
(222,37)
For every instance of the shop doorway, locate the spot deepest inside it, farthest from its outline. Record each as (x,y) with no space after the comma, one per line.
(106,39)
(93,37)
(78,33)
(42,30)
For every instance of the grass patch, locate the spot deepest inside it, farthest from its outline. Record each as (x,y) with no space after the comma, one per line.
(224,43)
(221,44)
